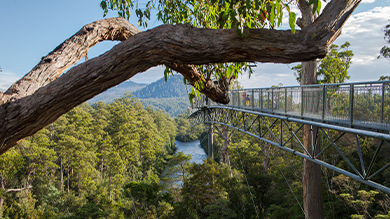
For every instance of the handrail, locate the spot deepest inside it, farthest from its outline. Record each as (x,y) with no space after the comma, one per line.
(316,85)
(361,105)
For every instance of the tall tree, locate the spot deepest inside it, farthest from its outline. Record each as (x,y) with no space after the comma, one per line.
(333,68)
(312,191)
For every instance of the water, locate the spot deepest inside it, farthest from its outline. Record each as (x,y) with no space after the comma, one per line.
(197,153)
(193,148)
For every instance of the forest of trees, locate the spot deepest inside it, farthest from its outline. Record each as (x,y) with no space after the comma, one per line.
(80,165)
(106,161)
(275,177)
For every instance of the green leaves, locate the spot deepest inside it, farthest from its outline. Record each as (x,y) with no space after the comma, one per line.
(291,21)
(229,71)
(385,50)
(316,6)
(103,5)
(167,71)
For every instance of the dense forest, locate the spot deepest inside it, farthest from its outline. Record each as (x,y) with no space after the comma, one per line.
(275,177)
(117,160)
(84,164)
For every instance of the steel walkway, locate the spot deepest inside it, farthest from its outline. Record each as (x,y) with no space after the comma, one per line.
(276,116)
(364,105)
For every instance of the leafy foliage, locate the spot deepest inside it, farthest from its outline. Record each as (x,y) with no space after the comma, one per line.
(185,131)
(385,51)
(333,68)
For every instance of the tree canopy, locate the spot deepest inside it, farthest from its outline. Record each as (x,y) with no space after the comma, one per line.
(385,51)
(334,67)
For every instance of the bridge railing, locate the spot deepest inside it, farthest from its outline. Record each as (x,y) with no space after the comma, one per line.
(361,105)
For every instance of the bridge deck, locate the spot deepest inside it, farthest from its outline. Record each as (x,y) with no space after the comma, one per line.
(363,105)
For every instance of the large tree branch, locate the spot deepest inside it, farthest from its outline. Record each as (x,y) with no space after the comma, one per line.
(37,99)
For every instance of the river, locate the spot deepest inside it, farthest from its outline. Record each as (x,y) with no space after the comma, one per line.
(193,148)
(197,153)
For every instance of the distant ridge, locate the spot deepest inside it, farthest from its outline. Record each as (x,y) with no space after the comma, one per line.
(173,87)
(170,96)
(117,91)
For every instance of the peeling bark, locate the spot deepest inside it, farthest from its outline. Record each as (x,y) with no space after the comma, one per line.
(41,96)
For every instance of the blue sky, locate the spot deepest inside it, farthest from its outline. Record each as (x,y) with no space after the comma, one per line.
(31,29)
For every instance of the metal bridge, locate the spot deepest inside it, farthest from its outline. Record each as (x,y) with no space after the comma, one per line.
(276,116)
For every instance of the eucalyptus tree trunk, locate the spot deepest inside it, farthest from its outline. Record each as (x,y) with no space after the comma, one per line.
(312,187)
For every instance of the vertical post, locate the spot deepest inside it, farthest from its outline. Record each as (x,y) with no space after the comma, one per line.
(281,133)
(253,102)
(210,142)
(323,102)
(301,101)
(291,102)
(351,94)
(272,100)
(238,99)
(261,99)
(285,101)
(382,101)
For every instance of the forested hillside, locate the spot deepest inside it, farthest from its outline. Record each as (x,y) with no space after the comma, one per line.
(170,96)
(78,166)
(173,87)
(173,106)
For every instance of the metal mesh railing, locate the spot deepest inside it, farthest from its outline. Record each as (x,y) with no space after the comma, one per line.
(363,105)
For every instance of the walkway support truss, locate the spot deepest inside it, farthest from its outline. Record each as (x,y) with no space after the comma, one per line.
(280,131)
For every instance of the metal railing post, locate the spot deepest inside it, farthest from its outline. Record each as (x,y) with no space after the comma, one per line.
(272,100)
(253,102)
(261,98)
(323,102)
(382,101)
(301,101)
(351,99)
(238,99)
(285,101)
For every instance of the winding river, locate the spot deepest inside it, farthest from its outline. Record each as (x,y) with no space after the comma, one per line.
(193,148)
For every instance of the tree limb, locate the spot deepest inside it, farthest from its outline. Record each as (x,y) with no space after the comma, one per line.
(39,98)
(18,190)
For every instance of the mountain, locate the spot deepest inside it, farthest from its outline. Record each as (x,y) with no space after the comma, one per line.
(170,96)
(173,106)
(117,91)
(173,87)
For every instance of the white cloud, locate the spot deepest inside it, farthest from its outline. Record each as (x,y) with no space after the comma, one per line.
(364,31)
(268,74)
(368,1)
(7,79)
(151,75)
(363,60)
